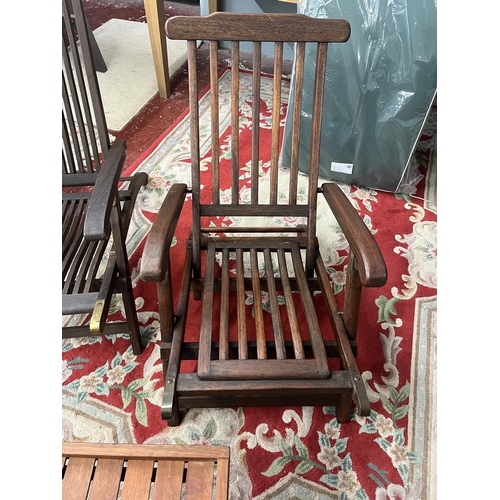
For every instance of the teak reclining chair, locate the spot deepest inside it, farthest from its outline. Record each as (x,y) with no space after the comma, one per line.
(258,358)
(95,213)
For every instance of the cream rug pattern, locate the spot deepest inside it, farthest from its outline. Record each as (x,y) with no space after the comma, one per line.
(130,81)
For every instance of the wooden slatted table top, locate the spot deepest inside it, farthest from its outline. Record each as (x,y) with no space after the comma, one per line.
(144,472)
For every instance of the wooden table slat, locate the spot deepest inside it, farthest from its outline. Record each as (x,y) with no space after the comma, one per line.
(106,482)
(137,483)
(199,480)
(76,480)
(222,484)
(168,483)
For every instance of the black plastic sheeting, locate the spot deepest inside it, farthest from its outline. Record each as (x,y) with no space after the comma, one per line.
(379,89)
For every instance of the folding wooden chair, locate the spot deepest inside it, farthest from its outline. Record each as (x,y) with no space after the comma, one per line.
(97,203)
(285,357)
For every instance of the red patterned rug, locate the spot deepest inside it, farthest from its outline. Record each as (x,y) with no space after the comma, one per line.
(110,395)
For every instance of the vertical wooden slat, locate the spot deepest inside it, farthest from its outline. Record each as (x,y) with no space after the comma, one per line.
(254,193)
(235,121)
(275,140)
(224,308)
(298,347)
(207,314)
(240,290)
(137,482)
(257,307)
(199,480)
(68,160)
(75,102)
(352,297)
(214,102)
(195,153)
(106,482)
(76,480)
(297,110)
(317,109)
(98,117)
(169,478)
(222,479)
(275,308)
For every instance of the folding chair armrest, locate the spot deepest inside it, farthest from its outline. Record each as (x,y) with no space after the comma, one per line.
(154,261)
(370,262)
(97,226)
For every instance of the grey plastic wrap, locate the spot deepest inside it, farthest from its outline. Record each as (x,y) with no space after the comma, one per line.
(379,88)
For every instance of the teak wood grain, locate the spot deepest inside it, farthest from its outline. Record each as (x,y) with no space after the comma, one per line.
(144,472)
(295,349)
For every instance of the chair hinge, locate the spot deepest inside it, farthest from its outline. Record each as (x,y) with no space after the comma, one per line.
(167,407)
(361,400)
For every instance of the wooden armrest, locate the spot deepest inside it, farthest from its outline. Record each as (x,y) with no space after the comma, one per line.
(103,196)
(370,262)
(154,261)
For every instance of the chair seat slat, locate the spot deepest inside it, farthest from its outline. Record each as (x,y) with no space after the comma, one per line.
(224,308)
(257,306)
(242,329)
(292,314)
(274,305)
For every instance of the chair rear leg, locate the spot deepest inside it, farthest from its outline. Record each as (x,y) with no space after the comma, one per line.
(344,408)
(131,315)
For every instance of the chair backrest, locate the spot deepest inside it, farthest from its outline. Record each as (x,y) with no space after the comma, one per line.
(257,28)
(85,138)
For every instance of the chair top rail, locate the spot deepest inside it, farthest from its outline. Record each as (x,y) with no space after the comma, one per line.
(258,27)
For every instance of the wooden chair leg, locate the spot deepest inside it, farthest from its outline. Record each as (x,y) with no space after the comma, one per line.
(344,408)
(131,315)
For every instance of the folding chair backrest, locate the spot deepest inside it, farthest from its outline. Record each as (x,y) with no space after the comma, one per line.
(83,119)
(277,29)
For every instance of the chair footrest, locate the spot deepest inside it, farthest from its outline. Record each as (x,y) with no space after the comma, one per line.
(264,369)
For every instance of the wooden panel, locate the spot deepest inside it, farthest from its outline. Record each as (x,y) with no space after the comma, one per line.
(296,115)
(184,452)
(257,307)
(274,305)
(214,114)
(139,471)
(235,120)
(199,480)
(290,306)
(106,482)
(265,27)
(265,369)
(275,141)
(240,290)
(76,480)
(224,307)
(169,478)
(257,49)
(206,314)
(222,480)
(137,483)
